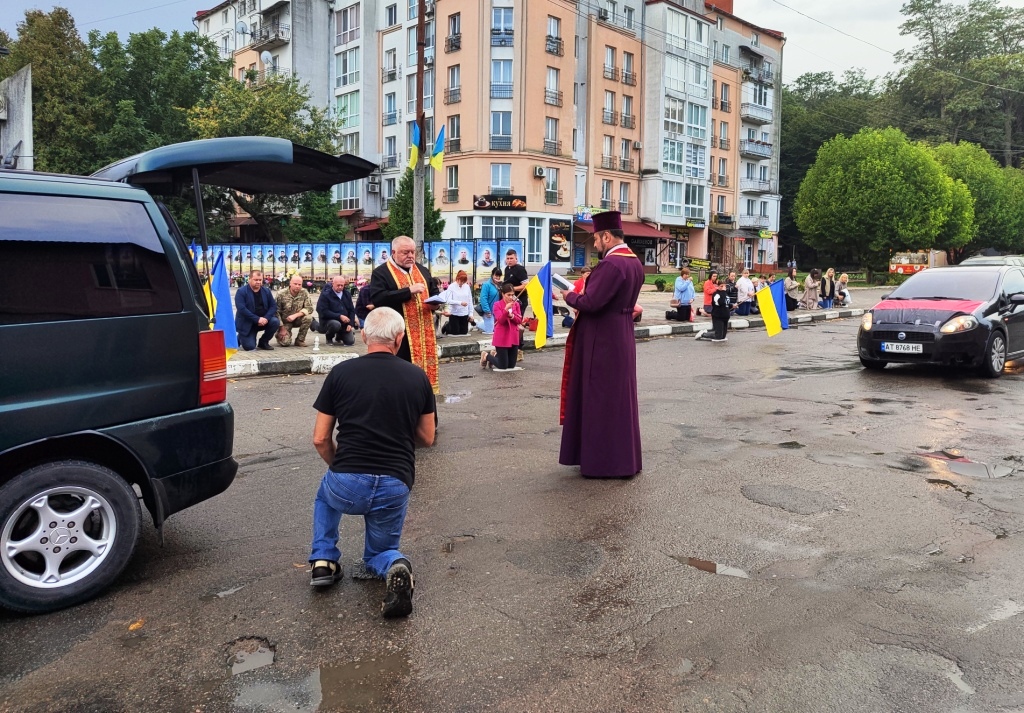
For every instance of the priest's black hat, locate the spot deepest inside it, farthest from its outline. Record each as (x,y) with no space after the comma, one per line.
(607,220)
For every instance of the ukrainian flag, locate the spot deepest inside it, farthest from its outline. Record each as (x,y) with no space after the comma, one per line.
(539,291)
(218,296)
(438,156)
(414,154)
(772,303)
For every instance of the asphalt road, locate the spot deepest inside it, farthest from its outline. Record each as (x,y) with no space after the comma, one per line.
(784,549)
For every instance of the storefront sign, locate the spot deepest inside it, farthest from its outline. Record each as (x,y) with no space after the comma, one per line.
(492,202)
(560,242)
(695,223)
(699,263)
(579,255)
(765,234)
(586,213)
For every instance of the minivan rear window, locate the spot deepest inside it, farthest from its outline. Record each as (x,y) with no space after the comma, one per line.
(81,258)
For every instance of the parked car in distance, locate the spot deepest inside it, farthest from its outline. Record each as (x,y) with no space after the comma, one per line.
(1015,260)
(113,386)
(969,315)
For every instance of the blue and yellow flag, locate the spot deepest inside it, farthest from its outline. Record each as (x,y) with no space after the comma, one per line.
(438,155)
(218,295)
(772,303)
(414,154)
(539,291)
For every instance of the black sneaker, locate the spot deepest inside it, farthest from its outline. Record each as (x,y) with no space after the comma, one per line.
(398,600)
(324,573)
(265,347)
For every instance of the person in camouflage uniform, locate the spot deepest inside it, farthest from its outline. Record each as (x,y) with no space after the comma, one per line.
(295,310)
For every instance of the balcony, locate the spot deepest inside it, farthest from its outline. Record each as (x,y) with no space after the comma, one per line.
(453,145)
(343,38)
(453,95)
(754,221)
(611,73)
(609,117)
(453,43)
(269,37)
(389,162)
(628,121)
(714,102)
(629,78)
(626,207)
(501,91)
(350,204)
(714,142)
(724,219)
(722,180)
(500,142)
(756,185)
(609,162)
(390,118)
(554,45)
(389,74)
(552,148)
(724,143)
(346,80)
(755,113)
(726,106)
(756,74)
(501,190)
(607,204)
(755,149)
(626,164)
(502,38)
(553,97)
(552,197)
(450,195)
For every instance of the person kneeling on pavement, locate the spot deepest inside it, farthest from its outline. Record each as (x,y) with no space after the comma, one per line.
(383,406)
(295,311)
(337,314)
(255,311)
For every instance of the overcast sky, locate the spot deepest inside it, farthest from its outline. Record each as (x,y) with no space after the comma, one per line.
(810,46)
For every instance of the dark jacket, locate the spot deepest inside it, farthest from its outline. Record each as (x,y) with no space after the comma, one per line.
(720,305)
(245,307)
(827,291)
(363,301)
(331,306)
(732,292)
(384,291)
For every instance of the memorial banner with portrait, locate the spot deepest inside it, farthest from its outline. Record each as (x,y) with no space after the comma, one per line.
(440,263)
(364,265)
(381,253)
(487,259)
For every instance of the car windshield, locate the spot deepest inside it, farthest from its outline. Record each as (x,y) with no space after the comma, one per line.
(950,284)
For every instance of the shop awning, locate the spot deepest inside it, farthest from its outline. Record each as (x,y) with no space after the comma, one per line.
(237,220)
(734,234)
(347,213)
(371,226)
(631,229)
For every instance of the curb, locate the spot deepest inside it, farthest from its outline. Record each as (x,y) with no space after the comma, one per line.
(323,363)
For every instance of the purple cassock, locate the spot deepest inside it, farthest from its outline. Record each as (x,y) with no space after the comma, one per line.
(599,414)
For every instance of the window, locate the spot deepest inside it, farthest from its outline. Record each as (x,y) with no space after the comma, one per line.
(627,107)
(675,32)
(627,64)
(627,18)
(349,194)
(501,20)
(428,91)
(390,103)
(550,129)
(764,209)
(390,60)
(698,32)
(609,102)
(695,161)
(675,73)
(350,143)
(755,39)
(414,10)
(760,95)
(501,176)
(455,127)
(699,86)
(720,207)
(391,151)
(625,148)
(697,121)
(551,83)
(672,155)
(675,113)
(535,240)
(428,43)
(609,57)
(348,109)
(551,186)
(116,259)
(455,76)
(452,177)
(501,123)
(497,228)
(410,93)
(763,173)
(574,139)
(723,131)
(726,54)
(206,27)
(723,167)
(466,228)
(751,206)
(623,197)
(554,27)
(224,17)
(751,134)
(348,67)
(749,170)
(455,24)
(389,187)
(720,22)
(606,194)
(607,145)
(671,198)
(390,15)
(694,201)
(347,24)
(725,92)
(501,78)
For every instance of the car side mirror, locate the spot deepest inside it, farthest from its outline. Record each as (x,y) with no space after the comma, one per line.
(885,297)
(1017,299)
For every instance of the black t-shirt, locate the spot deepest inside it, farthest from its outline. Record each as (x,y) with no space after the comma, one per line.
(517,275)
(378,400)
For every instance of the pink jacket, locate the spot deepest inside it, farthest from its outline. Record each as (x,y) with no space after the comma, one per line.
(506,324)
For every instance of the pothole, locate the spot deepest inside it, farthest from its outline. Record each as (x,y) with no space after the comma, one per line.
(712,567)
(248,653)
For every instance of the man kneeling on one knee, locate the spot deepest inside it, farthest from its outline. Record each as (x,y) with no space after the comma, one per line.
(337,313)
(295,311)
(383,406)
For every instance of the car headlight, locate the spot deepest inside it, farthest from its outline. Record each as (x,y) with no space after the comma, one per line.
(865,321)
(959,324)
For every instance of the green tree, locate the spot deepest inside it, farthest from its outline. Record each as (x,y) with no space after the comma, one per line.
(874,193)
(401,210)
(318,220)
(274,106)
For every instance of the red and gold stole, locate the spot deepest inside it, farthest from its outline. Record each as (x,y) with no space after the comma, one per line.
(419,323)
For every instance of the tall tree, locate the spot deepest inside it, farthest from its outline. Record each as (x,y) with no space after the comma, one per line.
(400,213)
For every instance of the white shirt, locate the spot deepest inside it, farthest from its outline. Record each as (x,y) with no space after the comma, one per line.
(744,289)
(455,295)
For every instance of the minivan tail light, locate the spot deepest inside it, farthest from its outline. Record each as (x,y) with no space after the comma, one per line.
(213,368)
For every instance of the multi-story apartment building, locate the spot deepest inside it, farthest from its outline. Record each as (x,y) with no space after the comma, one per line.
(745,126)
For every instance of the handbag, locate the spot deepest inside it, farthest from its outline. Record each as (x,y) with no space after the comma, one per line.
(673,303)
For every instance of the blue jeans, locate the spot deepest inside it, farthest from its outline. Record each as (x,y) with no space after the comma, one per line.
(488,326)
(380,499)
(825,304)
(248,340)
(743,308)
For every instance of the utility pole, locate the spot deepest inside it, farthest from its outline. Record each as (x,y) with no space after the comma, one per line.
(419,171)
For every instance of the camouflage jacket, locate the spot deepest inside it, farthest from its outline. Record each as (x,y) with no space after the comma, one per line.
(288,304)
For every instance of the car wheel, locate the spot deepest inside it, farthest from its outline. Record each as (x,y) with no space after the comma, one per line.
(995,355)
(67,529)
(874,364)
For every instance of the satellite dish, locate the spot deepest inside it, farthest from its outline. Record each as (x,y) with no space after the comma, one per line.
(241,28)
(267,59)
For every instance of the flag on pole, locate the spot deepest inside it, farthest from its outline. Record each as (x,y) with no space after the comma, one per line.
(539,291)
(218,293)
(438,154)
(772,303)
(414,154)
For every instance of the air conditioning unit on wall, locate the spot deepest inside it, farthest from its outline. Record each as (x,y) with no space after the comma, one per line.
(602,14)
(637,145)
(428,61)
(373,188)
(538,172)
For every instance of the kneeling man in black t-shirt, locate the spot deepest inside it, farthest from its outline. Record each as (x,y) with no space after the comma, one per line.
(383,406)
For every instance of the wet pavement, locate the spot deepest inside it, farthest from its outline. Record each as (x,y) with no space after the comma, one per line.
(806,536)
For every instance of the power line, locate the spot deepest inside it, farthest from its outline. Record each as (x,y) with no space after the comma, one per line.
(133,12)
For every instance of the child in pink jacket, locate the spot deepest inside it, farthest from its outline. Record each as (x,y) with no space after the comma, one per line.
(505,340)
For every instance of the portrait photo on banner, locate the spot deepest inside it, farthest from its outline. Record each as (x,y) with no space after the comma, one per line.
(440,252)
(486,260)
(365,264)
(381,253)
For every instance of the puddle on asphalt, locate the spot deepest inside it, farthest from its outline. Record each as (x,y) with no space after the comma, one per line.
(712,567)
(457,397)
(958,463)
(362,684)
(249,653)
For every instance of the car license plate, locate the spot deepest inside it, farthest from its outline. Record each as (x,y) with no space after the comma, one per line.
(902,348)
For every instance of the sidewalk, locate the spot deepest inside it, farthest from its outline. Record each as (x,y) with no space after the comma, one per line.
(304,360)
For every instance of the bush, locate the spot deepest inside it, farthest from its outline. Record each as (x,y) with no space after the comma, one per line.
(659,285)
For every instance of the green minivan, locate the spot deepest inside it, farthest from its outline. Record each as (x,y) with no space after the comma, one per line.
(112,383)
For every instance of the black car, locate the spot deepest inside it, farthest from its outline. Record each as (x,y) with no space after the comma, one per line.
(969,315)
(112,382)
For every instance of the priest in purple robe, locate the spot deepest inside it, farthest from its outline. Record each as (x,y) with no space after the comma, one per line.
(599,411)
